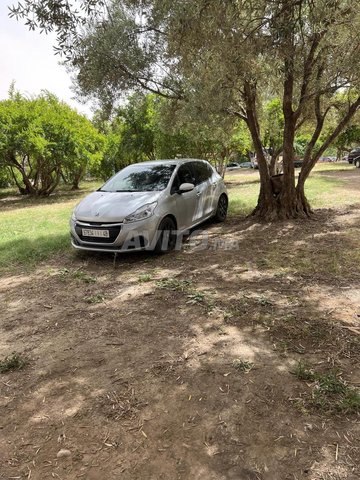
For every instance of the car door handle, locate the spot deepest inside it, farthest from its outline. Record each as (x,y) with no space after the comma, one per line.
(198,194)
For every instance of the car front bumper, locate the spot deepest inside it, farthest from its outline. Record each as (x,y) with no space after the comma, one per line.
(123,237)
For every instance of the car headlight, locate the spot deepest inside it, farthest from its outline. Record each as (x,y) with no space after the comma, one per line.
(141,213)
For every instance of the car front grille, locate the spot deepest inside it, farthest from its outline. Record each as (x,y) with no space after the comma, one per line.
(114,231)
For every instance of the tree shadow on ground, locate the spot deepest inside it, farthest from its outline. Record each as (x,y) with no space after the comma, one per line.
(25,254)
(132,368)
(11,200)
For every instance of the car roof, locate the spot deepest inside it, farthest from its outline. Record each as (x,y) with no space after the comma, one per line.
(175,161)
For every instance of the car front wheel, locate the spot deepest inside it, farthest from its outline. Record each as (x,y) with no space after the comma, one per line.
(357,163)
(166,236)
(222,207)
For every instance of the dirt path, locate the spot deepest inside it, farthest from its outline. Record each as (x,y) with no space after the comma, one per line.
(179,367)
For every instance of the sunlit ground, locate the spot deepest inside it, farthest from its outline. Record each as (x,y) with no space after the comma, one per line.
(327,187)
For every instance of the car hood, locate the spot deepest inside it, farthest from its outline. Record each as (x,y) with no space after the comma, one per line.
(112,206)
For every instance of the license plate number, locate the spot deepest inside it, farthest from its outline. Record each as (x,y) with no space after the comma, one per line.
(88,232)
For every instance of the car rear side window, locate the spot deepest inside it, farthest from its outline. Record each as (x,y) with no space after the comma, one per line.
(202,172)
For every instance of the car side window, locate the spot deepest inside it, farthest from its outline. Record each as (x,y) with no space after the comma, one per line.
(210,170)
(184,175)
(202,172)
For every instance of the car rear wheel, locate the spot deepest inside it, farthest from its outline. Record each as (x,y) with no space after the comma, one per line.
(222,207)
(166,236)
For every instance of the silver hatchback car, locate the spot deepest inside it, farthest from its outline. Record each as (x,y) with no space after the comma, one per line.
(149,206)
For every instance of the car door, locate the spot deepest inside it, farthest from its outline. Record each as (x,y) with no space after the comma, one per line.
(214,191)
(186,204)
(203,176)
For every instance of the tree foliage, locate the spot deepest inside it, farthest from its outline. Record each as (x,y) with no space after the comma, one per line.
(42,139)
(223,59)
(242,53)
(348,139)
(148,127)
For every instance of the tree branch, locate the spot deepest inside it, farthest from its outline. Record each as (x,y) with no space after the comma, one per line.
(235,113)
(310,158)
(352,110)
(308,69)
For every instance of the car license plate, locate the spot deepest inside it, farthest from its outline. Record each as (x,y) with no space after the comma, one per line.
(87,232)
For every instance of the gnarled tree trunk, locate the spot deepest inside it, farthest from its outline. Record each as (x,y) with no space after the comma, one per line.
(273,161)
(40,179)
(77,176)
(266,206)
(275,203)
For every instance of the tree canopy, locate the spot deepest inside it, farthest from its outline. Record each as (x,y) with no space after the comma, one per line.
(224,59)
(42,139)
(147,127)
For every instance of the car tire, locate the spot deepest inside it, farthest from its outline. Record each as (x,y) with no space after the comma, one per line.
(357,163)
(166,236)
(221,210)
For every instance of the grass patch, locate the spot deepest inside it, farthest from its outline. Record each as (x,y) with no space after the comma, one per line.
(13,362)
(174,284)
(243,365)
(34,229)
(196,297)
(77,274)
(93,299)
(264,301)
(83,276)
(303,372)
(144,277)
(329,392)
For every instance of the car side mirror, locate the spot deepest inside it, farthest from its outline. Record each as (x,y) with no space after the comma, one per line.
(186,187)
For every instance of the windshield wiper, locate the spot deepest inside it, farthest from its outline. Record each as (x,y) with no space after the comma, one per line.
(127,190)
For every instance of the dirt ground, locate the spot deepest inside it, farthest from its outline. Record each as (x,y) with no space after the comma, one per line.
(135,368)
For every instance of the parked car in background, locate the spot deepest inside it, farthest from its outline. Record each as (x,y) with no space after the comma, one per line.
(233,166)
(246,165)
(298,163)
(354,157)
(146,206)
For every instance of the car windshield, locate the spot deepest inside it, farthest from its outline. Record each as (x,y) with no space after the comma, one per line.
(140,178)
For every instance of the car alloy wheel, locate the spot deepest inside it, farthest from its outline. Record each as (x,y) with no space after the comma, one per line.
(166,236)
(221,211)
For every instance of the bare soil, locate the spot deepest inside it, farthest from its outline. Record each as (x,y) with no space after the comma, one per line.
(131,366)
